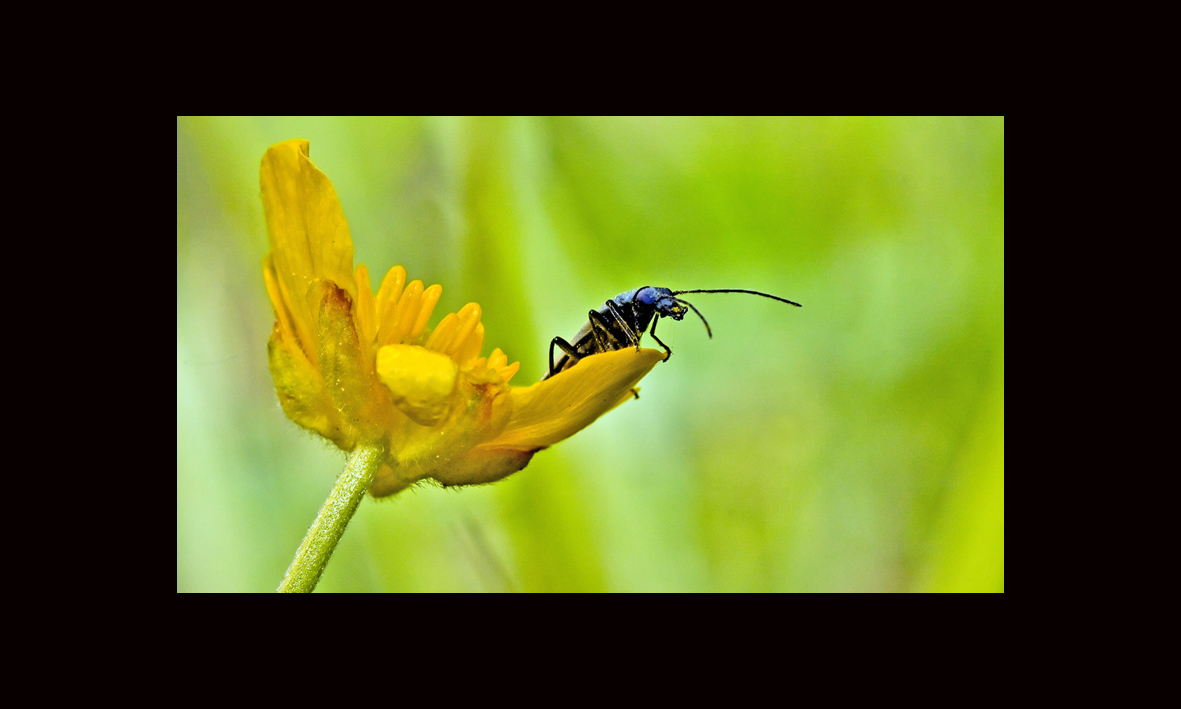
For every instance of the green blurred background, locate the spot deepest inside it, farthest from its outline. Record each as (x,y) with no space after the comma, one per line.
(854,444)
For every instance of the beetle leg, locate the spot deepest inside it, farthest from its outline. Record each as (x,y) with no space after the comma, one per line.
(667,352)
(599,332)
(610,338)
(632,335)
(566,347)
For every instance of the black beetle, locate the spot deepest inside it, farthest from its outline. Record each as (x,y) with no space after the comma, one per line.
(622,320)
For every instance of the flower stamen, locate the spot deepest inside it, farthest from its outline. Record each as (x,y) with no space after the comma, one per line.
(388,296)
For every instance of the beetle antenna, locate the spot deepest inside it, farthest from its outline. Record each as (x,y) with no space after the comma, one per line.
(736,290)
(707,330)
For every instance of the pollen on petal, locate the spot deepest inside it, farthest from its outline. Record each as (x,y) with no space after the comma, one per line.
(420,381)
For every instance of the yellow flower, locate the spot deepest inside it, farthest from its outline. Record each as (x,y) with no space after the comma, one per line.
(359,368)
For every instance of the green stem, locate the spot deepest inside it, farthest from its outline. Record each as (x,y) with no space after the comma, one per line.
(322,537)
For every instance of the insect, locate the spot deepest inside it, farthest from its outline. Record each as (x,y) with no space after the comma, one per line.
(622,320)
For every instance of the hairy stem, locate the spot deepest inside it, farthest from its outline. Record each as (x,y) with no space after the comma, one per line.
(322,537)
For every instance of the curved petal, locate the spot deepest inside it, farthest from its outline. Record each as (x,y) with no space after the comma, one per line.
(557,408)
(308,233)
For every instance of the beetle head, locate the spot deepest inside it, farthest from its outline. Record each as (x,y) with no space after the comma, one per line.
(662,301)
(665,302)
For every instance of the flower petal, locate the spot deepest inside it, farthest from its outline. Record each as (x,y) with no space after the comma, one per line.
(309,236)
(557,408)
